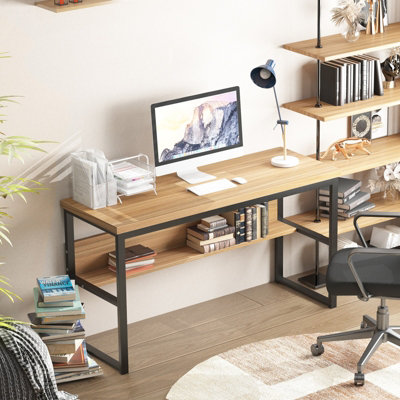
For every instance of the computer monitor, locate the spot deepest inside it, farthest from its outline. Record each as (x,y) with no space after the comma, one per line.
(196,130)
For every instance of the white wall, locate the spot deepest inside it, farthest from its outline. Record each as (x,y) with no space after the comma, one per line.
(88,78)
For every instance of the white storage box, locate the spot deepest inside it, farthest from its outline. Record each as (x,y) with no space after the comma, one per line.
(385,238)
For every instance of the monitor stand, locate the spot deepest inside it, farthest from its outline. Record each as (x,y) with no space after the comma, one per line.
(193,176)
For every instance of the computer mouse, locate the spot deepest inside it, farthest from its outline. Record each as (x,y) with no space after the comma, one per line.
(239,180)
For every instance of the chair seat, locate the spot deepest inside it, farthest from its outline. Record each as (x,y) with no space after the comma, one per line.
(379,274)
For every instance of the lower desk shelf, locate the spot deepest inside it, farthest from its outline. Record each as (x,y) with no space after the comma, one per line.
(307,219)
(100,276)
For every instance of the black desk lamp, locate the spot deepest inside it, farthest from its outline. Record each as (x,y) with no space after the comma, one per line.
(264,77)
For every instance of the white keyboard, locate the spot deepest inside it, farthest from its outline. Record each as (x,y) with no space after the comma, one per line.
(211,187)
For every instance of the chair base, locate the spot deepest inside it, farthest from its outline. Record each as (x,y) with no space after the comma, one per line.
(377,330)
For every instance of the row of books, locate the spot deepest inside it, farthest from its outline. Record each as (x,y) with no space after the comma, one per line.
(230,228)
(350,79)
(137,258)
(132,179)
(57,320)
(351,200)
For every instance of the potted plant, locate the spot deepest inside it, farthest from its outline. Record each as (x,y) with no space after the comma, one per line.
(12,147)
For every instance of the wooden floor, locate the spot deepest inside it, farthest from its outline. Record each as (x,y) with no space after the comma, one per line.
(164,348)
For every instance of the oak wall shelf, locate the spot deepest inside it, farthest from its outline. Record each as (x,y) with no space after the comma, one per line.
(329,112)
(384,151)
(335,46)
(49,5)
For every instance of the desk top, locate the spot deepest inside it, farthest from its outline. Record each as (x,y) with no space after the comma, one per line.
(174,201)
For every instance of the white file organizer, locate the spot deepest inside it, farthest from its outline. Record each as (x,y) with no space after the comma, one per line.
(93,183)
(146,176)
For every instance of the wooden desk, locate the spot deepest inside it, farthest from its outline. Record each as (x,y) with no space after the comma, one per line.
(161,223)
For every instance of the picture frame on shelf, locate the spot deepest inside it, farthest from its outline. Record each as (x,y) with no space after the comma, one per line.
(360,125)
(379,121)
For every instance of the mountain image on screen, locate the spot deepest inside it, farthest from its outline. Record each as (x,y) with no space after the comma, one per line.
(214,125)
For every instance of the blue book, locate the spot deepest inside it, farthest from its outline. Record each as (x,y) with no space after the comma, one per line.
(56,288)
(74,309)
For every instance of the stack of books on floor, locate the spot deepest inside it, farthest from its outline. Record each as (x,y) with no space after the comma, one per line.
(350,79)
(351,199)
(57,321)
(132,179)
(250,222)
(211,234)
(137,258)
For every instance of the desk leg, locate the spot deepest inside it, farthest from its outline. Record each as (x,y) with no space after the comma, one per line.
(69,244)
(121,305)
(333,228)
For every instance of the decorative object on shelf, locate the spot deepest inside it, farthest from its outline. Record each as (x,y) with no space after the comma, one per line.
(387,181)
(379,16)
(348,15)
(347,147)
(379,25)
(379,119)
(391,68)
(370,29)
(361,125)
(75,1)
(133,175)
(61,2)
(264,76)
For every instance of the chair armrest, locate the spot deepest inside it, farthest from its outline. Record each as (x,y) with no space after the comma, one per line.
(373,214)
(368,250)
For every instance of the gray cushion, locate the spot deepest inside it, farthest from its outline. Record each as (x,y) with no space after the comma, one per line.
(379,274)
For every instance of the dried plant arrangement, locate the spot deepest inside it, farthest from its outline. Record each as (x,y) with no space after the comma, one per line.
(349,13)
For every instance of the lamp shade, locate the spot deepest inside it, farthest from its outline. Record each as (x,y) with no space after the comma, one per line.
(264,75)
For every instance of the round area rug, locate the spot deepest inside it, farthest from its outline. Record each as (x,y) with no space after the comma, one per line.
(284,369)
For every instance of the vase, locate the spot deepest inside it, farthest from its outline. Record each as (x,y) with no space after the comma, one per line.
(351,31)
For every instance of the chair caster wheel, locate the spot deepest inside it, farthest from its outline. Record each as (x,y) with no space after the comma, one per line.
(363,325)
(359,379)
(317,350)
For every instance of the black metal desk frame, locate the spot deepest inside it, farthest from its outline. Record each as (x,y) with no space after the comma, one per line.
(120,301)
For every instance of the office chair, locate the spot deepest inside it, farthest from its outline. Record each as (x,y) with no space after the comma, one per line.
(365,272)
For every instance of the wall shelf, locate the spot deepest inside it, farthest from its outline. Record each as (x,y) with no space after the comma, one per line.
(329,112)
(49,5)
(384,151)
(335,46)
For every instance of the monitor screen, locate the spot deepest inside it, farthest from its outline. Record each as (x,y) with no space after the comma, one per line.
(196,125)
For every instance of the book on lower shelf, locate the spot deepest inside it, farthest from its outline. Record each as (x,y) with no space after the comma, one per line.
(138,258)
(345,214)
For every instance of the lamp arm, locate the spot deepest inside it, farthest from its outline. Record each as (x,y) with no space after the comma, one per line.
(279,110)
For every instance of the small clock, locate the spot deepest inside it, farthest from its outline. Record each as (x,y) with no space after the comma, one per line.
(361,124)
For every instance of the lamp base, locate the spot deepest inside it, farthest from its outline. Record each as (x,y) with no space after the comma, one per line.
(281,162)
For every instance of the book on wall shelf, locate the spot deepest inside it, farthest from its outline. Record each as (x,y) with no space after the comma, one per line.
(350,79)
